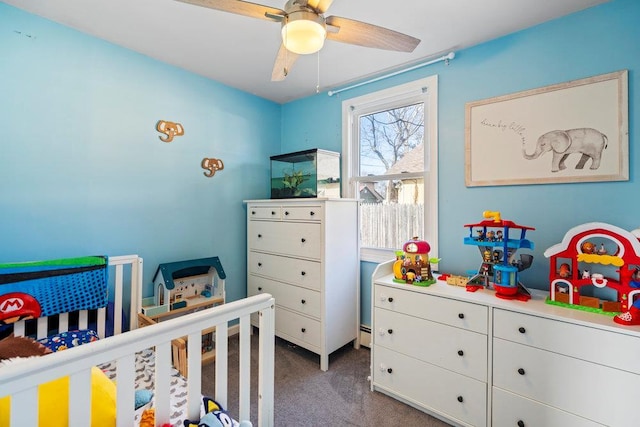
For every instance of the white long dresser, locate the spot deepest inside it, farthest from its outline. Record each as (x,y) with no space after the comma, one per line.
(305,252)
(472,359)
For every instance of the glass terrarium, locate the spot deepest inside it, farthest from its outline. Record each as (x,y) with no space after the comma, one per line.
(309,173)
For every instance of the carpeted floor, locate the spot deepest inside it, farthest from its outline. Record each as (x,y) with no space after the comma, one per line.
(306,396)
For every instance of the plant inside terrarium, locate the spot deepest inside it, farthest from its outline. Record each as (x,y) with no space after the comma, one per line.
(293,181)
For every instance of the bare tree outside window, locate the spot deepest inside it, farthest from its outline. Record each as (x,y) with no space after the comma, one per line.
(392,143)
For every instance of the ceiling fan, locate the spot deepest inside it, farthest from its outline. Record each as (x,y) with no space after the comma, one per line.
(304,29)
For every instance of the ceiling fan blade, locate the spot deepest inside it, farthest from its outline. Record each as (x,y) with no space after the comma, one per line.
(283,65)
(240,7)
(369,35)
(320,6)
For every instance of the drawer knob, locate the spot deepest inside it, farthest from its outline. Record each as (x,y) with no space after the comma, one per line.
(303,240)
(260,288)
(303,301)
(273,212)
(286,213)
(520,423)
(390,299)
(303,330)
(253,212)
(312,213)
(460,353)
(461,315)
(521,371)
(389,331)
(389,370)
(460,399)
(522,330)
(259,236)
(259,264)
(304,273)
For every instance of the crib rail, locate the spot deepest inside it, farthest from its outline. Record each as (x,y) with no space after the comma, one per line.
(126,273)
(22,379)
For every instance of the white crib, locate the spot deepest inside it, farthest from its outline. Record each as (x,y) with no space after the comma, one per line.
(22,379)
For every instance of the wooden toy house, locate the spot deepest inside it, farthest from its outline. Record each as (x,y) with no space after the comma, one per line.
(185,284)
(596,259)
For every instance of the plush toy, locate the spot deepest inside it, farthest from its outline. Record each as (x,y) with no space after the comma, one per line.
(148,419)
(215,417)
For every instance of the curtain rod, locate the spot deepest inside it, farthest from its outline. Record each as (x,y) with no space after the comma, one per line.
(445,58)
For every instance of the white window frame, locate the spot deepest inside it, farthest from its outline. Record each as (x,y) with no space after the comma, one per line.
(425,91)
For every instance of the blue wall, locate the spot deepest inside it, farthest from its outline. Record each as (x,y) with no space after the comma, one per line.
(83,172)
(599,40)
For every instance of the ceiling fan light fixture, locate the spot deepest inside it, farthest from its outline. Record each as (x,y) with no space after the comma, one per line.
(303,32)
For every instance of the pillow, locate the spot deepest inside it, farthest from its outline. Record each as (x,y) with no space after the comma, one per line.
(53,398)
(65,340)
(142,398)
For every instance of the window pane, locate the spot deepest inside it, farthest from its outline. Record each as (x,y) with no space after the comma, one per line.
(392,212)
(387,136)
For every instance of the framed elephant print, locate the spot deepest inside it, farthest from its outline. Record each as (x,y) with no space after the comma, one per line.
(576,131)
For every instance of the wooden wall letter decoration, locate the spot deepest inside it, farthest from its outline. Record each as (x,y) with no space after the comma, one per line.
(170,129)
(212,166)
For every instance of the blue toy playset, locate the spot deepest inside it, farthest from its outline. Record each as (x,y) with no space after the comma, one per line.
(498,241)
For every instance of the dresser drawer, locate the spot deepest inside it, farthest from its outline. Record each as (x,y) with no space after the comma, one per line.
(443,310)
(297,271)
(513,410)
(569,339)
(456,396)
(594,391)
(458,350)
(264,212)
(286,238)
(302,213)
(302,300)
(299,329)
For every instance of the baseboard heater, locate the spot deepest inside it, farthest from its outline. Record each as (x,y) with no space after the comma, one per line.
(365,336)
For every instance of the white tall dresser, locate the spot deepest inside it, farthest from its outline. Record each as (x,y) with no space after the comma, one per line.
(305,252)
(473,359)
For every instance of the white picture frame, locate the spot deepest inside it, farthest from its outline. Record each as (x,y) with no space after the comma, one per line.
(502,134)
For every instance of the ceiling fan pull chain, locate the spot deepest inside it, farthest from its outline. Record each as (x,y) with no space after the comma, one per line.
(318,78)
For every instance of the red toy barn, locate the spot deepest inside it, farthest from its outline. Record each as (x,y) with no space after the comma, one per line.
(596,255)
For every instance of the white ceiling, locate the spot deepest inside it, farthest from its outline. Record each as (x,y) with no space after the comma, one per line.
(240,51)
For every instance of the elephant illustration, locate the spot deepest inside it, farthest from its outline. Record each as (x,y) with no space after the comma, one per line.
(212,166)
(170,129)
(587,141)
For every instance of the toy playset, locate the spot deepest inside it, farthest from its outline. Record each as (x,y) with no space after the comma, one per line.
(498,241)
(596,256)
(413,265)
(182,284)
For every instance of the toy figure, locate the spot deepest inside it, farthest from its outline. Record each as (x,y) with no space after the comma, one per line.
(480,234)
(499,235)
(602,250)
(565,270)
(586,274)
(588,248)
(491,235)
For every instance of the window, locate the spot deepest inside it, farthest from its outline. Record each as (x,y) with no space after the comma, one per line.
(390,143)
